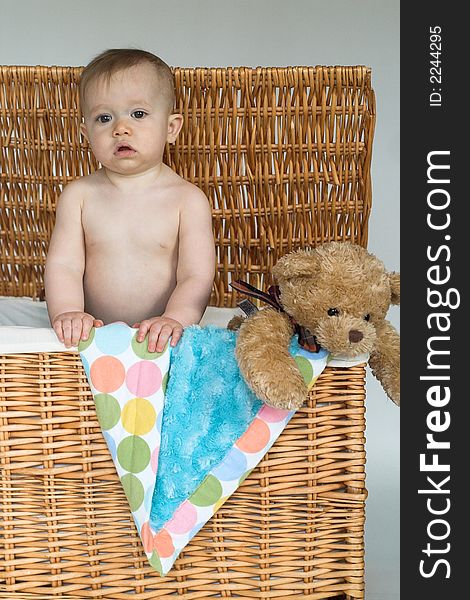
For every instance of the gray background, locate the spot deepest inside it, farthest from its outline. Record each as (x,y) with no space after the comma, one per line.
(262,33)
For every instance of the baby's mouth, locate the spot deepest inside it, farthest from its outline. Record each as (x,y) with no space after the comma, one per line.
(124,150)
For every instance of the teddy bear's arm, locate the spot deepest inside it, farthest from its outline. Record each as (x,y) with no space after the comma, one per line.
(385,360)
(262,352)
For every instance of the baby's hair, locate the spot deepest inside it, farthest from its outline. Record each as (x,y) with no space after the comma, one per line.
(114,60)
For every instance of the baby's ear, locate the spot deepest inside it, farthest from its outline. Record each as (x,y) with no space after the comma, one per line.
(394,279)
(175,123)
(295,264)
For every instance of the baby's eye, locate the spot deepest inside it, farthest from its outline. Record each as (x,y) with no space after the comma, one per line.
(333,312)
(138,114)
(103,118)
(366,317)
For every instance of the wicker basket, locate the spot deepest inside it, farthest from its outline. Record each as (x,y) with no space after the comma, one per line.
(284,158)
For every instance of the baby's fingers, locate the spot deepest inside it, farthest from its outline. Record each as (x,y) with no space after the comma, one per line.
(165,333)
(176,335)
(155,332)
(77,327)
(142,332)
(87,324)
(67,329)
(58,330)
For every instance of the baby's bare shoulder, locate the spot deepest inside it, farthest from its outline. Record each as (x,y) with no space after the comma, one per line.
(70,205)
(71,199)
(82,187)
(191,193)
(178,183)
(188,195)
(90,183)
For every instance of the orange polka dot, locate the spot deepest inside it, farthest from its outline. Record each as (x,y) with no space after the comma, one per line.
(147,537)
(107,374)
(163,544)
(255,437)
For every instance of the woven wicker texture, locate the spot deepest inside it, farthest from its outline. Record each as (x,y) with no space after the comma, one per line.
(294,528)
(284,158)
(283,155)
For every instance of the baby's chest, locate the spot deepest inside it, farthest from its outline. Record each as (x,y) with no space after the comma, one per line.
(131,229)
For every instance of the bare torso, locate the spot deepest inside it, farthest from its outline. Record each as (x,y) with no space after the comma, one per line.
(131,247)
(133,241)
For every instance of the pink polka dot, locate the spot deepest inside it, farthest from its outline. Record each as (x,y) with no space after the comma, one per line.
(272,415)
(154,459)
(255,437)
(147,536)
(163,544)
(107,374)
(184,519)
(144,378)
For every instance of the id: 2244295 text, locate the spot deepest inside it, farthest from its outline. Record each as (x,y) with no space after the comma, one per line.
(435,70)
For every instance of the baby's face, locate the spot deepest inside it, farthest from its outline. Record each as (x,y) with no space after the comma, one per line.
(127,122)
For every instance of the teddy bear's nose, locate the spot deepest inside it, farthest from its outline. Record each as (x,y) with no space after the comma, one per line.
(355,336)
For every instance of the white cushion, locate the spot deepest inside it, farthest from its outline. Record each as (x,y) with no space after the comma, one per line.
(25,326)
(23,311)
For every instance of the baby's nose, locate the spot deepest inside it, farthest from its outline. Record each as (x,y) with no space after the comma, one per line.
(121,128)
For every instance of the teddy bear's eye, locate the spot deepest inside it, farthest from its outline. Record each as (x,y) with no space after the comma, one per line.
(366,317)
(333,312)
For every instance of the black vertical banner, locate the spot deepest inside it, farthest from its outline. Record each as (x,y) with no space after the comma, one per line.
(435,249)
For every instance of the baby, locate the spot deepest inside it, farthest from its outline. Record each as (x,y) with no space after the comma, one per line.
(133,241)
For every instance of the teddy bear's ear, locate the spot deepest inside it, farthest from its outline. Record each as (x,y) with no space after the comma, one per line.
(295,264)
(394,279)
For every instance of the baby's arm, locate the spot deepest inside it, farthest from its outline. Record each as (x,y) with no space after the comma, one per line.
(65,266)
(194,275)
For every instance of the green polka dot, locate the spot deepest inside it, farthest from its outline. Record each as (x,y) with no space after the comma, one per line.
(155,562)
(141,349)
(108,410)
(208,492)
(133,454)
(134,490)
(83,344)
(165,382)
(305,368)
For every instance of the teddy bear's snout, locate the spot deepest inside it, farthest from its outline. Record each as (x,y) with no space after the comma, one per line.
(345,335)
(355,336)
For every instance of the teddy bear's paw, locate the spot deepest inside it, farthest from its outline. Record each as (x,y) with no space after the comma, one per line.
(235,323)
(393,392)
(284,403)
(385,362)
(286,393)
(391,386)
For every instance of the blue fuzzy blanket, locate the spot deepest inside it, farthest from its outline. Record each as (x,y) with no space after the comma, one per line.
(182,426)
(208,406)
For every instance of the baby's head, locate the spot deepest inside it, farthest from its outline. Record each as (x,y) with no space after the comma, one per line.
(127,98)
(111,62)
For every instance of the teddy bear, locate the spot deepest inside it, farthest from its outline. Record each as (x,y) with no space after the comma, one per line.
(336,295)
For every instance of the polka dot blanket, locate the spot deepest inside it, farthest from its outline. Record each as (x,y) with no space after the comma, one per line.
(183,428)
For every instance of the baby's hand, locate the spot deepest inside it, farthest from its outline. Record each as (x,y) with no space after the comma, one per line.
(160,329)
(73,326)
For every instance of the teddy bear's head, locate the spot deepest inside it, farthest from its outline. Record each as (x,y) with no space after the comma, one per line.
(340,292)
